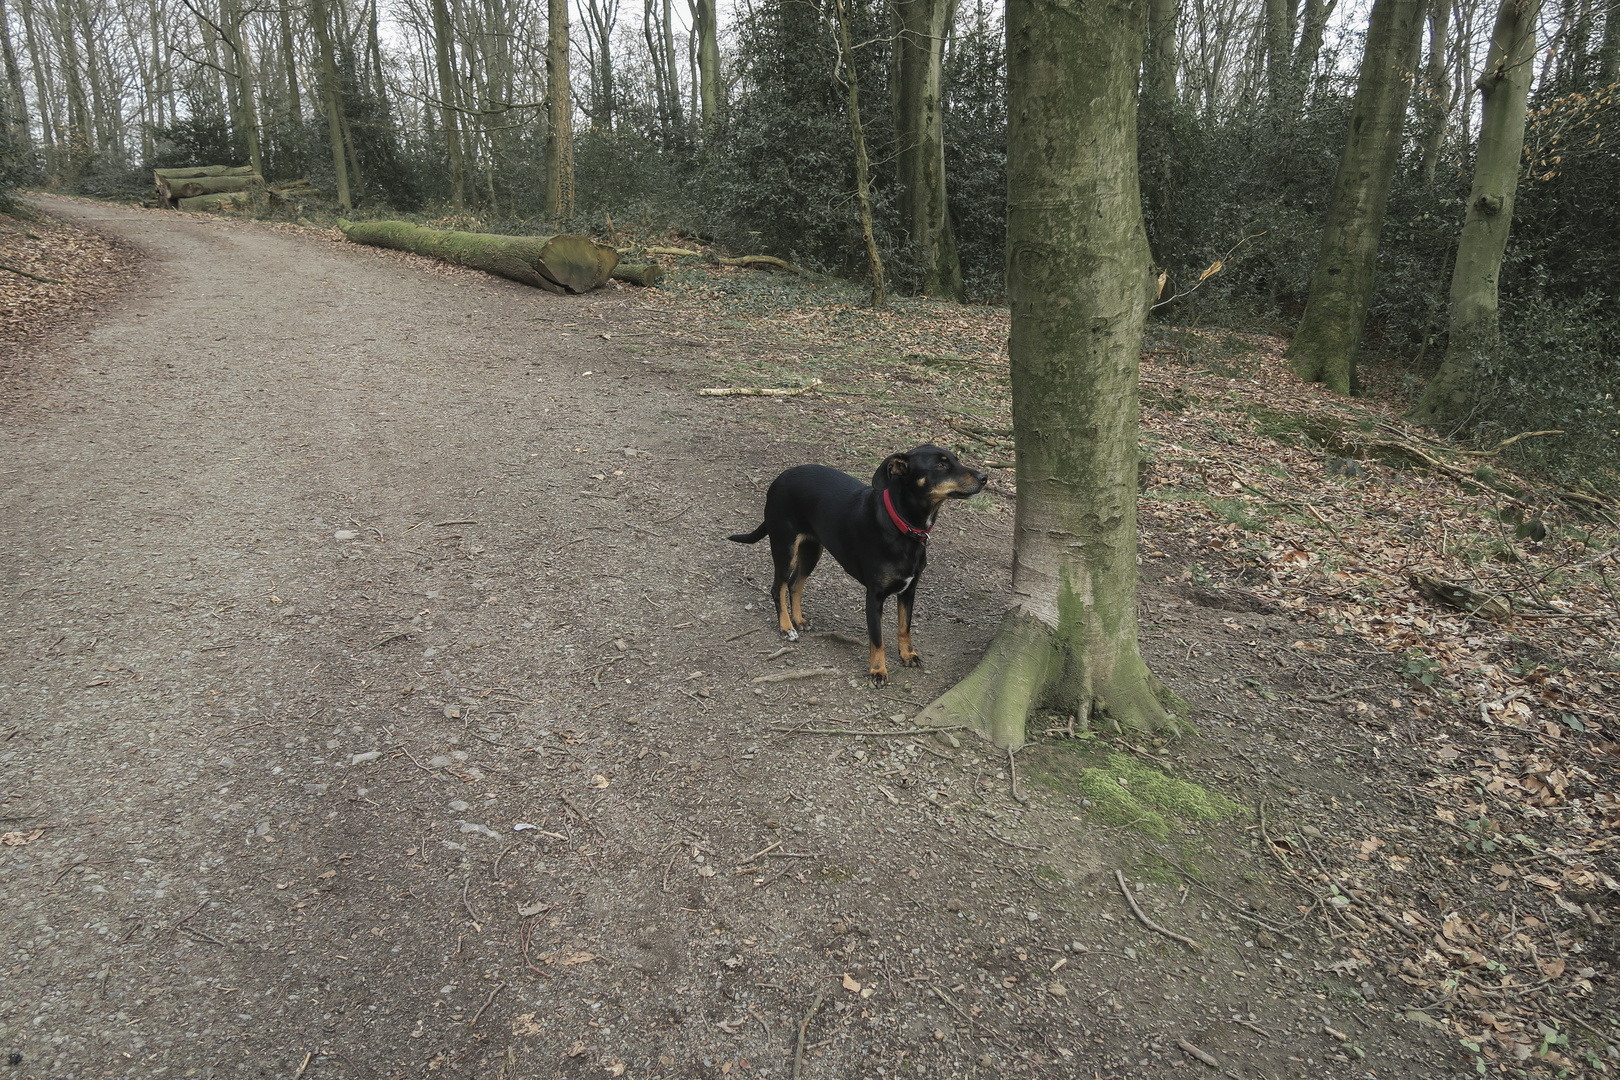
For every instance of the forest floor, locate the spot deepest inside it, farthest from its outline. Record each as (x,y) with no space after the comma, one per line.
(380,698)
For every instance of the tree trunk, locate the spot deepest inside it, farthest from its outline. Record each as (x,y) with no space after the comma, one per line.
(708,43)
(79,135)
(289,57)
(1160,64)
(558,264)
(242,68)
(1609,48)
(923,27)
(655,59)
(638,274)
(863,191)
(442,42)
(173,188)
(560,130)
(1324,347)
(103,113)
(47,112)
(195,171)
(1436,100)
(1279,52)
(1079,282)
(1505,85)
(600,18)
(219,201)
(1314,25)
(330,99)
(19,138)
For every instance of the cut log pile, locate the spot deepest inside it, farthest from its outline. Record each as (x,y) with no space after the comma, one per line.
(219,187)
(559,264)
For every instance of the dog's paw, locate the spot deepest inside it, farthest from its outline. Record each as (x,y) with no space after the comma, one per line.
(913,660)
(879,678)
(792,635)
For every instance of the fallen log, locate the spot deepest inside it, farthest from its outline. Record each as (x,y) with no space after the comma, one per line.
(1485,605)
(195,171)
(208,185)
(648,274)
(757,391)
(559,264)
(685,253)
(217,201)
(757,262)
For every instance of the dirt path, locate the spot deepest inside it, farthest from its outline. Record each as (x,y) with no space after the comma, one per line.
(379,701)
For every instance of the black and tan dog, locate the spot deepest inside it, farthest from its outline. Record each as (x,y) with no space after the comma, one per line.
(879,534)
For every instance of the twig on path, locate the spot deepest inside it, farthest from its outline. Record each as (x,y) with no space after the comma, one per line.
(743,633)
(1141,916)
(458,521)
(487,1001)
(1206,1058)
(751,391)
(301,1069)
(1012,771)
(1012,844)
(798,1052)
(791,676)
(466,903)
(761,853)
(1237,909)
(36,277)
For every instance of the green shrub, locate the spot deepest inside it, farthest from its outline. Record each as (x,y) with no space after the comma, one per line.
(1557,368)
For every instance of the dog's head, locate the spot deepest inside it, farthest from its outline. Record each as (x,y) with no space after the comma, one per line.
(932,472)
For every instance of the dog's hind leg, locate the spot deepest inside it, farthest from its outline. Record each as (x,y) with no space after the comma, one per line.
(805,556)
(784,554)
(877,665)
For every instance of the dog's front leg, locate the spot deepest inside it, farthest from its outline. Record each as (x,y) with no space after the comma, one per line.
(902,610)
(877,666)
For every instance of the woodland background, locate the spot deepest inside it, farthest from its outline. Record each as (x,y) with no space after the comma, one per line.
(733,126)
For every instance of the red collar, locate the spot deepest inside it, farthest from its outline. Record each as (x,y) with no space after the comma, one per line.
(906,529)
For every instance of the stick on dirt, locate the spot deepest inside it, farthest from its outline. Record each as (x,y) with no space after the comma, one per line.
(790,676)
(798,1052)
(1141,916)
(26,274)
(487,1001)
(1206,1058)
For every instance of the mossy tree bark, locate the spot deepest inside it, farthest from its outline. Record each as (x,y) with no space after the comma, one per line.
(1160,64)
(1324,346)
(558,264)
(863,185)
(1079,280)
(443,43)
(330,102)
(1505,86)
(710,86)
(559,193)
(922,27)
(1436,91)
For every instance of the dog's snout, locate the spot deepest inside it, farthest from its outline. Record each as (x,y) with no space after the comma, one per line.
(982,477)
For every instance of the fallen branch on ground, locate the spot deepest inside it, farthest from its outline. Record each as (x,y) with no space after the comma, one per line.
(754,391)
(36,277)
(790,676)
(761,262)
(1141,916)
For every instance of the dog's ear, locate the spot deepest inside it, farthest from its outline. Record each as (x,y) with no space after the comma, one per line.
(897,465)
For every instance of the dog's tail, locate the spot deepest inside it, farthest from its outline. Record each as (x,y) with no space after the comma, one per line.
(749,538)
